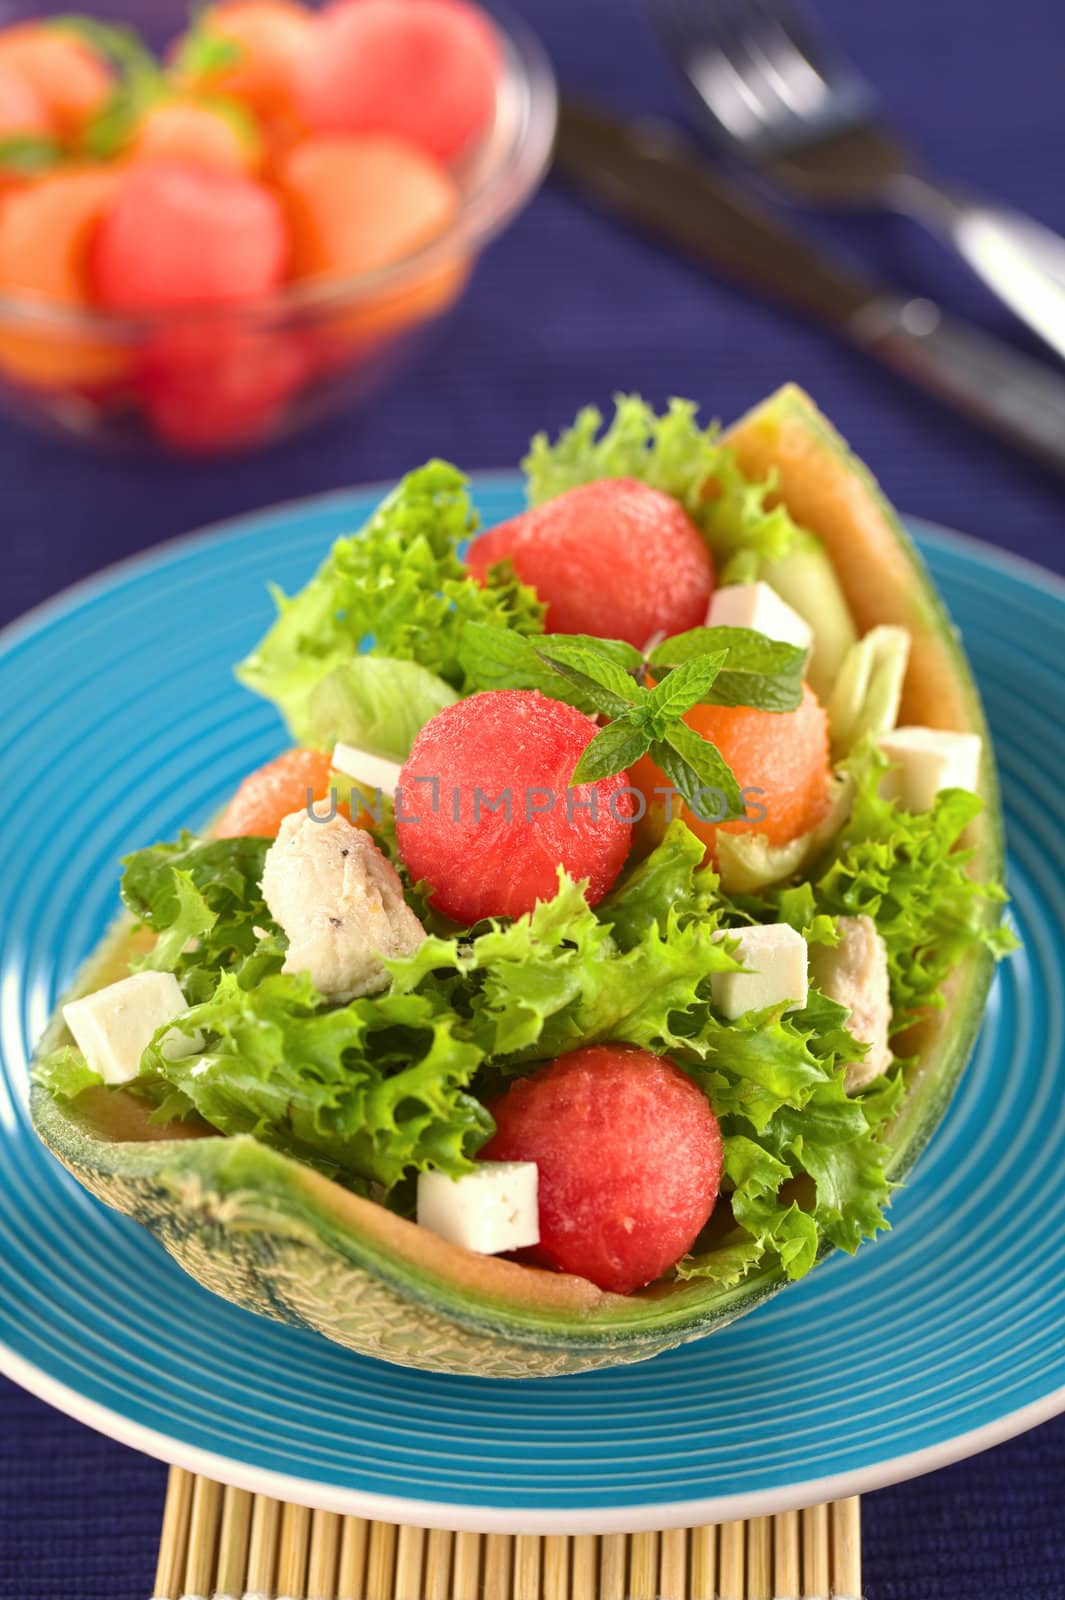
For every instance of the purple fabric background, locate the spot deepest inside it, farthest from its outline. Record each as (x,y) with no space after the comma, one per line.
(564,310)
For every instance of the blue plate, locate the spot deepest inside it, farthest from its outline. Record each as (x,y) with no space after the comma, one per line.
(123,723)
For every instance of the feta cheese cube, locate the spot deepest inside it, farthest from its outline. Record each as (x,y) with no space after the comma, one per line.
(373,772)
(493,1208)
(757,606)
(925,760)
(775,956)
(112,1027)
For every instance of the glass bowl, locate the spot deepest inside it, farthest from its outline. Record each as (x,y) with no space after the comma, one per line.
(214,380)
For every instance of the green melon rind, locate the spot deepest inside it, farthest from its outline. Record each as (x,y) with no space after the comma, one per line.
(241,1219)
(259,1229)
(930,1090)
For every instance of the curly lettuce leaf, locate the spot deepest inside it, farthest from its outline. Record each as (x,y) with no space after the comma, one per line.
(776,1080)
(202,899)
(672,879)
(369,1091)
(381,1088)
(556,978)
(397,588)
(65,1073)
(637,970)
(671,452)
(907,871)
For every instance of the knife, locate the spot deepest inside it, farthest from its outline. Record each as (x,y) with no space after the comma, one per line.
(650,174)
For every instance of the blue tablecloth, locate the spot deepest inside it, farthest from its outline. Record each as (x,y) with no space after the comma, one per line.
(563,310)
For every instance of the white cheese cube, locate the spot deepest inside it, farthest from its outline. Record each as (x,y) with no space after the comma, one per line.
(775,956)
(757,606)
(373,772)
(493,1208)
(925,760)
(112,1027)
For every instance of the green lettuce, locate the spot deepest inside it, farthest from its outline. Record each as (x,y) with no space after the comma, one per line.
(375,703)
(672,880)
(370,1091)
(776,1081)
(383,1087)
(65,1073)
(397,588)
(673,453)
(201,898)
(556,978)
(637,970)
(908,871)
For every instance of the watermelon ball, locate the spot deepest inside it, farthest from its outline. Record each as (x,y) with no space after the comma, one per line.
(426,73)
(215,386)
(613,558)
(481,862)
(179,234)
(629,1156)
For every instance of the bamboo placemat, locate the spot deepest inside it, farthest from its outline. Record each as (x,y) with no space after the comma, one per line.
(227,1544)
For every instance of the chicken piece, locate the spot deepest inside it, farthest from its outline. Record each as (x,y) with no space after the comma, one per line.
(341,904)
(855,972)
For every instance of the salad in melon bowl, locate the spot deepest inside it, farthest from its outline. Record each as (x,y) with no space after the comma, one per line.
(606,944)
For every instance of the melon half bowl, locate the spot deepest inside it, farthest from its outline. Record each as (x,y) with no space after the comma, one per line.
(275,1237)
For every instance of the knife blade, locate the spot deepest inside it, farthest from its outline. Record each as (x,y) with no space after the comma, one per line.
(648,173)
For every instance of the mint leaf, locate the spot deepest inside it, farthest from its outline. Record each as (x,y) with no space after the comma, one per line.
(760,672)
(684,687)
(614,748)
(494,658)
(597,672)
(699,773)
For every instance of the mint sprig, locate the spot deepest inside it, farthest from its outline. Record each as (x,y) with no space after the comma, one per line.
(609,678)
(647,721)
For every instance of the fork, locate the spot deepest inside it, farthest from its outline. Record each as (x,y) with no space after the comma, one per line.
(807,121)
